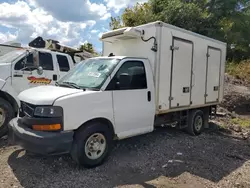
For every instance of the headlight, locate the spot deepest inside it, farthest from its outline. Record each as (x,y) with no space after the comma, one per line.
(49,111)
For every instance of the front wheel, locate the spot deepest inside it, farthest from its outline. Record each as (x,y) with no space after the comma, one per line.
(92,144)
(6,114)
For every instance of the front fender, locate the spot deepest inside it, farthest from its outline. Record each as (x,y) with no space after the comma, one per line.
(81,107)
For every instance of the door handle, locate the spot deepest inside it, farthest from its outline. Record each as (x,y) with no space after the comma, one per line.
(54,77)
(149,96)
(185,89)
(18,75)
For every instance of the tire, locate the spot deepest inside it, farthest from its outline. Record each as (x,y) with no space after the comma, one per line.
(196,122)
(6,114)
(84,135)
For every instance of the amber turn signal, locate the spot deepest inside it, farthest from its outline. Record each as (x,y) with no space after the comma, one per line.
(53,127)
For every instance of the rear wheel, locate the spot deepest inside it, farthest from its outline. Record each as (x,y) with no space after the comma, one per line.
(196,122)
(92,144)
(6,114)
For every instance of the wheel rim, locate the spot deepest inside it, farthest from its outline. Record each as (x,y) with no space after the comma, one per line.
(2,117)
(198,123)
(95,146)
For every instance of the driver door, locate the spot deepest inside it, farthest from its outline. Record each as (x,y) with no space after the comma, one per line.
(25,75)
(133,105)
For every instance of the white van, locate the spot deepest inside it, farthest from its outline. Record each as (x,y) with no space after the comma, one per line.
(151,75)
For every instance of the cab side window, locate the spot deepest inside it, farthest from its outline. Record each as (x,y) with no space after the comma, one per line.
(135,77)
(63,63)
(46,61)
(21,63)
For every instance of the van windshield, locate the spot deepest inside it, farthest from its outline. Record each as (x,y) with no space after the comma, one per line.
(11,56)
(90,73)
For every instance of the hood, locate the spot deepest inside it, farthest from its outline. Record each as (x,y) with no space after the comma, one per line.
(45,95)
(5,71)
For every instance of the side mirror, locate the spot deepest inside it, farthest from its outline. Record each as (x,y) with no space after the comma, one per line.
(123,81)
(39,70)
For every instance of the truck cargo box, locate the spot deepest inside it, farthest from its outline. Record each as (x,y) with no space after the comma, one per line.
(188,68)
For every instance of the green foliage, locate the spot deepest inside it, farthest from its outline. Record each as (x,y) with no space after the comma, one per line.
(239,70)
(225,20)
(137,15)
(245,123)
(115,23)
(87,47)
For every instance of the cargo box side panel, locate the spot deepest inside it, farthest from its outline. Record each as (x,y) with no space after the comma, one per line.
(198,73)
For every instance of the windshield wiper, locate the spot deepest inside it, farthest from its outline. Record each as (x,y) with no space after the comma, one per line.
(70,84)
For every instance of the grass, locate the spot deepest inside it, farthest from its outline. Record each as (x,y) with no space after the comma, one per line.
(223,126)
(244,123)
(239,70)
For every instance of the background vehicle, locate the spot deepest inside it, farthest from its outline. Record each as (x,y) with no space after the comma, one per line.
(8,47)
(19,71)
(151,75)
(42,63)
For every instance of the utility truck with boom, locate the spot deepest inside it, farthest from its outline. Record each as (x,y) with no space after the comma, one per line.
(42,63)
(8,47)
(151,75)
(23,69)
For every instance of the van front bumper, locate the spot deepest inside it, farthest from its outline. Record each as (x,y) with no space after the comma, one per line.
(44,143)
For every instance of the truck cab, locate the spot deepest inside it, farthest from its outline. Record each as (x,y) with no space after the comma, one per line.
(25,68)
(111,97)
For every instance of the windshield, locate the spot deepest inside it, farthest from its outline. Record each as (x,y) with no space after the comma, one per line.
(11,56)
(90,73)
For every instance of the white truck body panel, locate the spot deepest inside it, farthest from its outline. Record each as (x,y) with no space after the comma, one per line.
(5,48)
(184,76)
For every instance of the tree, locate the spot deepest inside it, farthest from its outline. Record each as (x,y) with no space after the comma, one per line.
(115,23)
(133,16)
(225,20)
(87,47)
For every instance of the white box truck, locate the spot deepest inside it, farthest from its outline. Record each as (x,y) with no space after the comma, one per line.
(151,75)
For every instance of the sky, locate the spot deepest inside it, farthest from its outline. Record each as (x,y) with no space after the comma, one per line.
(71,22)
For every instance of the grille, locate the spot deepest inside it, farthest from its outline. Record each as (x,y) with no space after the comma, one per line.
(27,109)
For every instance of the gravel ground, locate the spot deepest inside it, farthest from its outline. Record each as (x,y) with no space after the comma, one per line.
(165,158)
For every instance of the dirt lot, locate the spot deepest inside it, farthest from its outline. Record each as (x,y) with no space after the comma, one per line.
(166,158)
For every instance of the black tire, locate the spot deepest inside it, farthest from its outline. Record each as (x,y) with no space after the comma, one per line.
(8,111)
(81,136)
(194,116)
